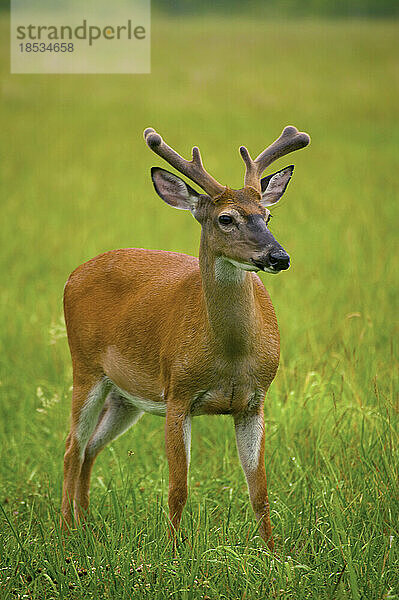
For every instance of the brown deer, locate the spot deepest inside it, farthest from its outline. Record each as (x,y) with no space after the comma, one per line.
(176,336)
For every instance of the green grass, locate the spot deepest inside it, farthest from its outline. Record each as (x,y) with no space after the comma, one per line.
(76,183)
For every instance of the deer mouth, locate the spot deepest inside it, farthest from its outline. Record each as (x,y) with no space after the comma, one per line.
(267,268)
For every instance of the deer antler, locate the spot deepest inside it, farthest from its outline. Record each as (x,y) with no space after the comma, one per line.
(193,169)
(291,139)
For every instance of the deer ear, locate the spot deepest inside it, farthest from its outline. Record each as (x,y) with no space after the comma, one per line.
(173,190)
(274,186)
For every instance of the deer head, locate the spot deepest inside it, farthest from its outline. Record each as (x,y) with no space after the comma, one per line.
(234,222)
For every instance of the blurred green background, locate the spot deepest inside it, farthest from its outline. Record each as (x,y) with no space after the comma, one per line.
(75,182)
(283,8)
(274,8)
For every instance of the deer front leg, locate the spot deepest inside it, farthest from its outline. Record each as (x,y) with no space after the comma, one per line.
(250,437)
(178,439)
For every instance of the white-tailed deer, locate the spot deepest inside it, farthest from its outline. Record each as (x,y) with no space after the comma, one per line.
(166,333)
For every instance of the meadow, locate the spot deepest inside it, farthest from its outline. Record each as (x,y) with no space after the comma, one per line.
(75,174)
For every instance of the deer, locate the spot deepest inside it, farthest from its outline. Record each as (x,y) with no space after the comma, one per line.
(153,331)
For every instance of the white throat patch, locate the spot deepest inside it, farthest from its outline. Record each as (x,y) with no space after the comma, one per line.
(228,270)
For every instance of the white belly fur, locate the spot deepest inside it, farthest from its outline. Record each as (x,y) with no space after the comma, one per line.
(198,405)
(149,406)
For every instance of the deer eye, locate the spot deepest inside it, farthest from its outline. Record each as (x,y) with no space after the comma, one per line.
(225,219)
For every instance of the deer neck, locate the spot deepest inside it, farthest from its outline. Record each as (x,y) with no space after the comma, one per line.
(230,303)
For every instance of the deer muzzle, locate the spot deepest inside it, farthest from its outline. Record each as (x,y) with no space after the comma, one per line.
(270,255)
(272,260)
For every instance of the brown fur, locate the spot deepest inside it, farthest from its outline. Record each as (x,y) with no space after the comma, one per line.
(150,333)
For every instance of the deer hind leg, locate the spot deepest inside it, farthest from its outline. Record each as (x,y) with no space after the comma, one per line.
(177,438)
(87,401)
(117,416)
(250,437)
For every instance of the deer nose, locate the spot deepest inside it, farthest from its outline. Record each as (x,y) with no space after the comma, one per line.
(279,259)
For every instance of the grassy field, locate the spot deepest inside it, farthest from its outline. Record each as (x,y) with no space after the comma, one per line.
(76,182)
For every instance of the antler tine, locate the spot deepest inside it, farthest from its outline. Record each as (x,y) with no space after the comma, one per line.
(193,169)
(290,140)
